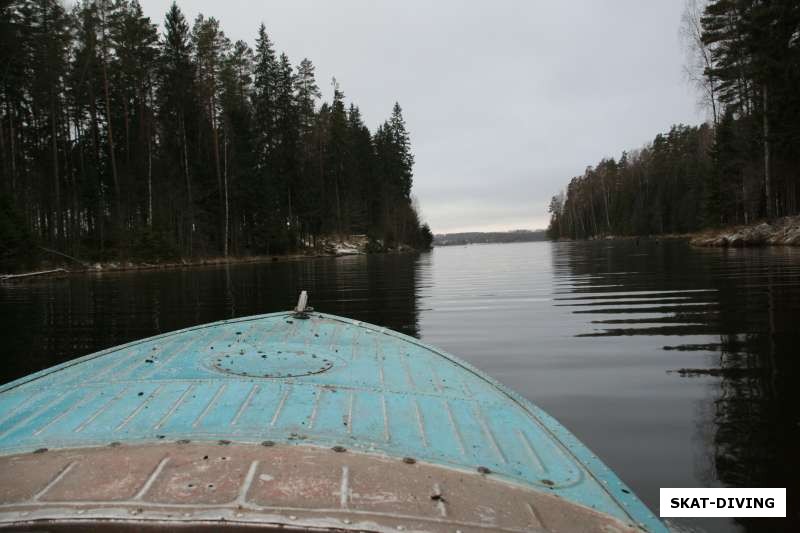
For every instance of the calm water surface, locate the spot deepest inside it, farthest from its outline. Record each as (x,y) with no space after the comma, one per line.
(678,366)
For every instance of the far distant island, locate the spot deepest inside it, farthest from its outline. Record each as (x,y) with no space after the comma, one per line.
(480,237)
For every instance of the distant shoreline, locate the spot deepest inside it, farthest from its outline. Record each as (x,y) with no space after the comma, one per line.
(489,237)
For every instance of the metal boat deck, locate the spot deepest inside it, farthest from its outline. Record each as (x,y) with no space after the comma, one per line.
(274,386)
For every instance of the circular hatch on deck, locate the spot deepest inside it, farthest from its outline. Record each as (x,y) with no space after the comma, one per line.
(285,361)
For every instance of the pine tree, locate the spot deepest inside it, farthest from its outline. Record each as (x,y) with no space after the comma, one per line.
(401,140)
(211,48)
(116,142)
(336,155)
(265,79)
(306,95)
(178,111)
(307,195)
(364,189)
(238,164)
(48,46)
(134,39)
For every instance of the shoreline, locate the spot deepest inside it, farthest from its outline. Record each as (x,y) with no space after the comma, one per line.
(108,267)
(62,269)
(784,231)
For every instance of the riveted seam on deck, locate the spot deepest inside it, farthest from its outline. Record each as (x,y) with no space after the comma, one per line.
(241,498)
(312,418)
(386,434)
(245,404)
(420,423)
(17,408)
(333,344)
(203,340)
(456,430)
(175,406)
(83,401)
(58,477)
(356,345)
(102,409)
(536,519)
(407,370)
(210,405)
(437,381)
(488,432)
(280,406)
(344,488)
(538,464)
(350,406)
(36,413)
(151,479)
(139,408)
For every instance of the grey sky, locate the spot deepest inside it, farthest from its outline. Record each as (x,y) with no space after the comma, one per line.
(505,100)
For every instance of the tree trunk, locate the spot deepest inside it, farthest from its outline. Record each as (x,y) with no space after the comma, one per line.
(149,178)
(223,196)
(110,135)
(12,140)
(127,133)
(69,177)
(289,196)
(190,200)
(767,184)
(605,200)
(56,180)
(95,130)
(146,116)
(225,187)
(3,148)
(82,167)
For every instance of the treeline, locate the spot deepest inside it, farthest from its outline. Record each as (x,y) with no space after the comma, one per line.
(744,57)
(117,141)
(484,237)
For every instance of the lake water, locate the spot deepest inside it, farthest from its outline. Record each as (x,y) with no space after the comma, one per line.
(677,365)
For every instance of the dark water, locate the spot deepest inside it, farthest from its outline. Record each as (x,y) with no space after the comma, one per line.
(678,366)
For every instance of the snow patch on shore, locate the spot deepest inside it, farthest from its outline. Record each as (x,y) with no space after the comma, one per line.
(783,231)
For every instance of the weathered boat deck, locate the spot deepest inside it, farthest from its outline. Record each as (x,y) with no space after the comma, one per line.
(308,386)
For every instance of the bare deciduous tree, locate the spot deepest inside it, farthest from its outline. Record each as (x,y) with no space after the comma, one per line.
(699,61)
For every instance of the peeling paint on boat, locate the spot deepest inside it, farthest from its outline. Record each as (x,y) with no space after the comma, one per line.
(321,382)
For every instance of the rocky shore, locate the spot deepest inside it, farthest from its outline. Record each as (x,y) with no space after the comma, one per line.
(782,231)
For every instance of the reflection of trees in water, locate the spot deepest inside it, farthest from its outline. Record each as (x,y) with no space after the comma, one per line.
(48,322)
(756,434)
(379,289)
(751,428)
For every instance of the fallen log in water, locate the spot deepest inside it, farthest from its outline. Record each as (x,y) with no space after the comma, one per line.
(12,277)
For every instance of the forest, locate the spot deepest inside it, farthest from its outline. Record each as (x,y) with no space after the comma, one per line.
(119,140)
(743,165)
(486,237)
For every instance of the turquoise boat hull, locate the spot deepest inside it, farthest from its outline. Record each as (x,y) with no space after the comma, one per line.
(322,382)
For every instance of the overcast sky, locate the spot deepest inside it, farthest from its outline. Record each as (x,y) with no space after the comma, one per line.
(505,100)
